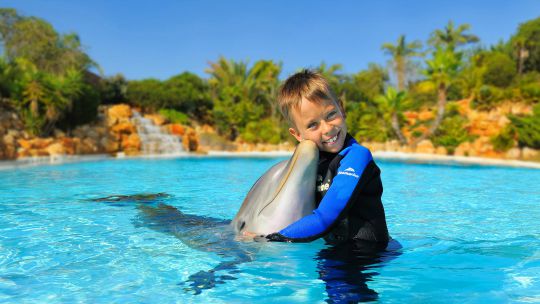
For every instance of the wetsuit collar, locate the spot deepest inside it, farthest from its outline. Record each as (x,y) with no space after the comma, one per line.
(349,140)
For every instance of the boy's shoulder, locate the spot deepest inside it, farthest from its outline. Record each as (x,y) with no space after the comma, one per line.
(354,149)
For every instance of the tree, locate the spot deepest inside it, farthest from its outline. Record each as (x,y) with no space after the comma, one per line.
(401,52)
(188,93)
(35,40)
(526,43)
(365,85)
(451,37)
(391,103)
(241,94)
(441,70)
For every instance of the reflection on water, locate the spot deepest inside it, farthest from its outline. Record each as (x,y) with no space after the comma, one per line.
(347,268)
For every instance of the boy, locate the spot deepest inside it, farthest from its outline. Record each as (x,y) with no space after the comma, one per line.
(349,187)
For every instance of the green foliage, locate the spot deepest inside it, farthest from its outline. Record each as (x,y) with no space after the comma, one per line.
(241,94)
(365,123)
(452,37)
(422,94)
(174,116)
(83,108)
(488,97)
(401,53)
(35,40)
(114,89)
(526,45)
(451,133)
(528,128)
(263,131)
(146,93)
(190,94)
(443,66)
(500,70)
(504,141)
(364,85)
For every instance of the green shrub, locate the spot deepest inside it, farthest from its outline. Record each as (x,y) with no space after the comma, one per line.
(451,133)
(366,124)
(500,70)
(528,128)
(531,92)
(504,141)
(174,116)
(488,97)
(264,131)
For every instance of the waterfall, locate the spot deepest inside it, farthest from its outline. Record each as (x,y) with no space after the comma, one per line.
(154,140)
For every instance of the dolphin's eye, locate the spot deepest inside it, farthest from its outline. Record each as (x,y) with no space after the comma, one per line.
(242,225)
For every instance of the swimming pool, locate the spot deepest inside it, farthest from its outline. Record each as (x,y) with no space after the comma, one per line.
(469,234)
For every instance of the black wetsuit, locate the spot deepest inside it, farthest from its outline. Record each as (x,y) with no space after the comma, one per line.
(352,210)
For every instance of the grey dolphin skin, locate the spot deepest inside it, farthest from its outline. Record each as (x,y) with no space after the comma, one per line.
(284,194)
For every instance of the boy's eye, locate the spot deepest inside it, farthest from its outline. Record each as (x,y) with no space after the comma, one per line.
(312,125)
(331,115)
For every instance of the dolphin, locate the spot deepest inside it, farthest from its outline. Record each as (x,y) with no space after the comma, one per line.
(281,196)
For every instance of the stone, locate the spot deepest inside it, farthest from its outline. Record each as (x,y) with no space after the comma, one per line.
(25,144)
(513,153)
(119,111)
(441,151)
(528,153)
(463,149)
(111,146)
(68,144)
(131,142)
(425,146)
(124,128)
(426,115)
(87,146)
(176,129)
(190,140)
(56,148)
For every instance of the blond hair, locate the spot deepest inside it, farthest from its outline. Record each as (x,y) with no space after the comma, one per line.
(306,84)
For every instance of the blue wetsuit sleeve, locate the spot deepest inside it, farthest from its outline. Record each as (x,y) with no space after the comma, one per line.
(334,202)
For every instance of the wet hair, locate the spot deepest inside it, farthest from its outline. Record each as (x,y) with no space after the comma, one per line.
(306,84)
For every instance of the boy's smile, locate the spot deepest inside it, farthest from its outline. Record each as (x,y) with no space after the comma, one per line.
(322,123)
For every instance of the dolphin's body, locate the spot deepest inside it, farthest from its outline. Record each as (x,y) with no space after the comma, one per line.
(284,194)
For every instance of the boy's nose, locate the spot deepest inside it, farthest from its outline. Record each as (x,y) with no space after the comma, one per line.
(326,127)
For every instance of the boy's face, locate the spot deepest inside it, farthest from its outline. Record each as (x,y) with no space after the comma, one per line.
(322,123)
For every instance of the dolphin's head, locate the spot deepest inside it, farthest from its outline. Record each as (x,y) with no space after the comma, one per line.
(284,194)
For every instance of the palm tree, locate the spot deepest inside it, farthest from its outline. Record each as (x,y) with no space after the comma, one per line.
(401,52)
(391,103)
(242,95)
(441,70)
(451,37)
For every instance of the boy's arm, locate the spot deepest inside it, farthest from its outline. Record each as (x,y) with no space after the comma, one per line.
(335,203)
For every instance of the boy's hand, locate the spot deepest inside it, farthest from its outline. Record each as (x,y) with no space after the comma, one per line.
(276,237)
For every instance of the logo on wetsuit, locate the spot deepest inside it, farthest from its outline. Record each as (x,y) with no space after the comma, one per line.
(350,172)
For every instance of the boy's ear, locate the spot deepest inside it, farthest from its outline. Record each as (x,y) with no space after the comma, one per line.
(295,133)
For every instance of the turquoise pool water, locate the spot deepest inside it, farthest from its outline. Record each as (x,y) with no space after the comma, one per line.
(469,234)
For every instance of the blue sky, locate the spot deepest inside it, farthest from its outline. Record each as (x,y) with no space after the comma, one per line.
(143,39)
